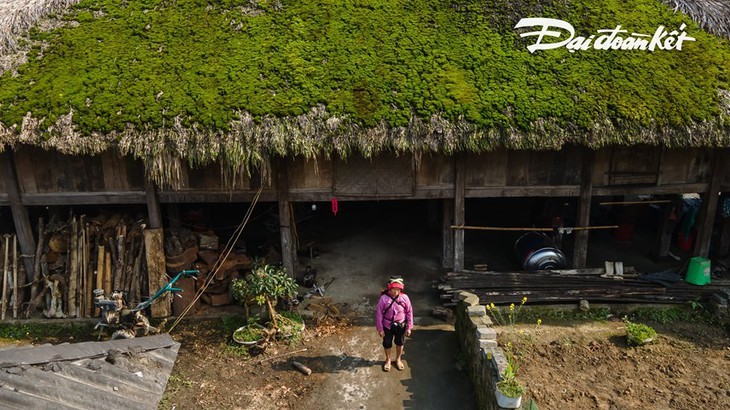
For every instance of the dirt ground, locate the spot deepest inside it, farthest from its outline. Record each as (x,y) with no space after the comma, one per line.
(590,366)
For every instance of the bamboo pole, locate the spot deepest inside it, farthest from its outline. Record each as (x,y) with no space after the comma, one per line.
(15,277)
(658,201)
(498,228)
(5,277)
(89,272)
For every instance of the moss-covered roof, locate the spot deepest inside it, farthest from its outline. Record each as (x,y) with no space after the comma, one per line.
(244,80)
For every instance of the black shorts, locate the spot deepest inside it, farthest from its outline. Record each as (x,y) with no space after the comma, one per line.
(395,332)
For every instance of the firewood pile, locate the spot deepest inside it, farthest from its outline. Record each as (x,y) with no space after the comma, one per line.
(185,249)
(76,256)
(13,275)
(564,286)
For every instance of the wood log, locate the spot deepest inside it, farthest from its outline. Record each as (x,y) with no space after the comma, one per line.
(302,368)
(108,274)
(156,271)
(15,277)
(74,267)
(37,275)
(89,271)
(5,275)
(100,267)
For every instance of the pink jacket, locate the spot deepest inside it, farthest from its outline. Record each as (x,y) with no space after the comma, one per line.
(400,311)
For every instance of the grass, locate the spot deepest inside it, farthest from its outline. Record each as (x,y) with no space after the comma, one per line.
(41,332)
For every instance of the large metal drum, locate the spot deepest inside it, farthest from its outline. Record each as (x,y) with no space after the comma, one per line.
(536,251)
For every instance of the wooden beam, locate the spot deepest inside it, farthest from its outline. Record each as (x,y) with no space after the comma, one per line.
(580,249)
(649,190)
(172,197)
(83,198)
(710,198)
(288,255)
(20,213)
(153,204)
(447,234)
(459,211)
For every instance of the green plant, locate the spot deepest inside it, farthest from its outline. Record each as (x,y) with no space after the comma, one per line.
(264,285)
(639,334)
(249,333)
(509,385)
(508,317)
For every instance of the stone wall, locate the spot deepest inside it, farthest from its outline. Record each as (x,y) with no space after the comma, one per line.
(478,340)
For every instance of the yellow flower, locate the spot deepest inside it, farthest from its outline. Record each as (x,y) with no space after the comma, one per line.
(489,307)
(492,305)
(522,332)
(512,306)
(539,322)
(524,300)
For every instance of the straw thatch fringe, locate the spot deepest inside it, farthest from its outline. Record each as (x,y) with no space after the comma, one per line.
(711,15)
(17,16)
(249,144)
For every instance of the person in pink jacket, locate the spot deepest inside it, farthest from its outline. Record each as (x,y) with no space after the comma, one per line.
(394,321)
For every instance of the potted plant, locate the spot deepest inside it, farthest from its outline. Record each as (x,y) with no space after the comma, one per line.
(509,390)
(264,285)
(509,393)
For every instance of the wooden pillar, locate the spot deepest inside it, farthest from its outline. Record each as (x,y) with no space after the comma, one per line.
(156,275)
(459,212)
(668,223)
(288,255)
(447,234)
(709,206)
(725,237)
(153,204)
(20,213)
(580,250)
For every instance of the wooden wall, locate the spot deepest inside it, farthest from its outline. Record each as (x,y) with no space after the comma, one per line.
(48,178)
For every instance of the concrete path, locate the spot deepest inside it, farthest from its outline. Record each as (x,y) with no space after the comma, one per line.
(429,381)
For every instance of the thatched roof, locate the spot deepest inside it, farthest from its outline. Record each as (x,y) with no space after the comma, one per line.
(194,81)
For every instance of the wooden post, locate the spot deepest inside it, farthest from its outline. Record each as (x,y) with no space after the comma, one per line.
(580,249)
(287,251)
(668,222)
(447,234)
(459,212)
(153,204)
(5,275)
(20,213)
(709,206)
(157,278)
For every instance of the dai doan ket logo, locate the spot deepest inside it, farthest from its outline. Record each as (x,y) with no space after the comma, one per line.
(607,39)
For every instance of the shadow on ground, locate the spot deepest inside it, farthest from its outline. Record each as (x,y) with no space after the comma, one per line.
(435,382)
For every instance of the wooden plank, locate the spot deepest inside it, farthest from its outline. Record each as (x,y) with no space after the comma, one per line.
(20,213)
(675,166)
(447,234)
(601,167)
(580,249)
(538,168)
(177,197)
(518,168)
(700,166)
(114,171)
(157,278)
(83,198)
(25,174)
(288,253)
(707,214)
(435,170)
(459,210)
(487,169)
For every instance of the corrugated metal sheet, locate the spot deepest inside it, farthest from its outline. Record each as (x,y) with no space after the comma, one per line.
(120,374)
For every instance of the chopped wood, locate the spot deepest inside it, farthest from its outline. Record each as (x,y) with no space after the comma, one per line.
(5,275)
(302,368)
(15,277)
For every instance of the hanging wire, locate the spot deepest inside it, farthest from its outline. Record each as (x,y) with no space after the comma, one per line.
(221,258)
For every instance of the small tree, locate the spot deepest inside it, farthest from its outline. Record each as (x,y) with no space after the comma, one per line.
(264,285)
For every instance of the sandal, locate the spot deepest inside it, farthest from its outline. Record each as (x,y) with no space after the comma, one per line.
(399,365)
(386,367)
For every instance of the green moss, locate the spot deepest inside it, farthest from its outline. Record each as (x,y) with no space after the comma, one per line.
(145,63)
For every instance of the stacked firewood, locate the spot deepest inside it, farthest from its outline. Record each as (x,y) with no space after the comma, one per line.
(202,251)
(76,256)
